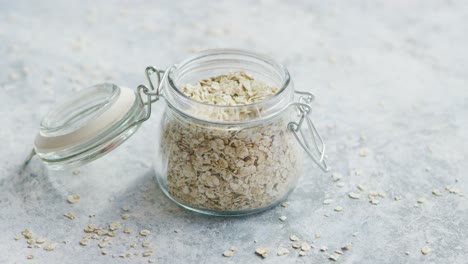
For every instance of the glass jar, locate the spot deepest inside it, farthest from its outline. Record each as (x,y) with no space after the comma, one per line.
(228,160)
(212,159)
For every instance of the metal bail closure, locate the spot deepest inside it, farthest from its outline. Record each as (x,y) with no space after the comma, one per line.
(152,94)
(316,148)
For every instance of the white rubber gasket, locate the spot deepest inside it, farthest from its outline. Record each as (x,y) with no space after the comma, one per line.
(92,129)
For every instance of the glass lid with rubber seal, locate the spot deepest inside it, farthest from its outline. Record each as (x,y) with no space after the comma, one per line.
(91,124)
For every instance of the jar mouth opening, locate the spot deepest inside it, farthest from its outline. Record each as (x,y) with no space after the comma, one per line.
(179,69)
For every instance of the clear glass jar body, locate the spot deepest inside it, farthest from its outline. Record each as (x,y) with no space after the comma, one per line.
(227,160)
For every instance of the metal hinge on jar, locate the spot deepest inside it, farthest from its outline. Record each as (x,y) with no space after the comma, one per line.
(152,93)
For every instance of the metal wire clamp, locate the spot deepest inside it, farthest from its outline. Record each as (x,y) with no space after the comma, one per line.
(317,150)
(152,94)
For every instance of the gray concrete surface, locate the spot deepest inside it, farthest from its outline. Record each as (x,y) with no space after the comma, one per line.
(394,71)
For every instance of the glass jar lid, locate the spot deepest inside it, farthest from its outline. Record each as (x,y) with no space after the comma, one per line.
(91,124)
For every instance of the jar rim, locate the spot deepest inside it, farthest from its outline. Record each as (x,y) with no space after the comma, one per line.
(210,52)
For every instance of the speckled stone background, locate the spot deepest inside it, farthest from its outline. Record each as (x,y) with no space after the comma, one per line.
(395,72)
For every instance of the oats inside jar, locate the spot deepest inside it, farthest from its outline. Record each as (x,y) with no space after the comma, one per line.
(227,167)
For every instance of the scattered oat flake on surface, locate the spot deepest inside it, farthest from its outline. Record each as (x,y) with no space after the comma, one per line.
(340,184)
(69,216)
(323,248)
(436,192)
(262,251)
(338,209)
(30,256)
(125,208)
(127,230)
(317,235)
(297,244)
(284,204)
(326,215)
(361,187)
(363,152)
(228,253)
(73,198)
(355,234)
(27,234)
(334,256)
(124,216)
(425,250)
(147,253)
(88,236)
(76,172)
(363,137)
(101,232)
(354,195)
(429,148)
(347,246)
(146,244)
(17,237)
(374,201)
(305,246)
(339,252)
(145,232)
(233,248)
(282,251)
(103,244)
(421,200)
(302,253)
(84,242)
(327,201)
(40,240)
(283,218)
(104,252)
(336,176)
(49,247)
(397,197)
(114,226)
(293,238)
(451,189)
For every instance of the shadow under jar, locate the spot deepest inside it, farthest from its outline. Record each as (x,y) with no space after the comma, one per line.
(232,160)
